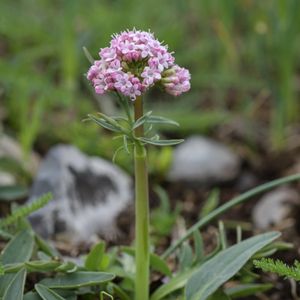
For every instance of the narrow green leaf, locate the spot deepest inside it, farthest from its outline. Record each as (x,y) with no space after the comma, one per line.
(141,120)
(245,290)
(161,120)
(161,142)
(175,283)
(223,236)
(186,256)
(45,247)
(15,289)
(211,203)
(42,266)
(229,204)
(104,295)
(104,124)
(46,293)
(19,249)
(97,260)
(125,143)
(116,153)
(68,267)
(32,296)
(199,247)
(116,290)
(1,269)
(219,295)
(10,193)
(88,55)
(77,280)
(93,260)
(155,261)
(212,274)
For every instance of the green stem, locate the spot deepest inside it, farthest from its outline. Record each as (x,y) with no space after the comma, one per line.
(141,211)
(123,102)
(220,210)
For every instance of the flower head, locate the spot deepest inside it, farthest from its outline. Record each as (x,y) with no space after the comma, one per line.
(134,62)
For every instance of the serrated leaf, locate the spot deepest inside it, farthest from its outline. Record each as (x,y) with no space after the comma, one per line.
(161,142)
(212,274)
(15,288)
(47,294)
(245,290)
(77,280)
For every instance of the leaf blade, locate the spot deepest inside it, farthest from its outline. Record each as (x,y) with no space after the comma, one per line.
(212,274)
(47,294)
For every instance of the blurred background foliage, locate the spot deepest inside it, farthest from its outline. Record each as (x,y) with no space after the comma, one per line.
(244,57)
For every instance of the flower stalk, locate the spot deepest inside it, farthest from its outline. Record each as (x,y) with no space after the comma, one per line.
(141,210)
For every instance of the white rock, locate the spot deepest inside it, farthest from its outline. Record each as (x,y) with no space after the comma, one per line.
(200,159)
(274,207)
(6,179)
(89,193)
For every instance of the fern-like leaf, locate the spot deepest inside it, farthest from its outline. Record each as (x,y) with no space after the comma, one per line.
(279,267)
(25,210)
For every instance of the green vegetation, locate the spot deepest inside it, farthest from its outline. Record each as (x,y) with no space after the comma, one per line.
(243,56)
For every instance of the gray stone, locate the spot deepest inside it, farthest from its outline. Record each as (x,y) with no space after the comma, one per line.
(10,148)
(89,194)
(274,207)
(200,159)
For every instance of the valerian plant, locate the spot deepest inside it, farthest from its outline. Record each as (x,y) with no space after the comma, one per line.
(134,62)
(31,269)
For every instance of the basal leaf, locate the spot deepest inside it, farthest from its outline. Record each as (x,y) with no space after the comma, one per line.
(219,295)
(156,262)
(245,290)
(15,289)
(47,294)
(77,280)
(94,260)
(32,296)
(19,249)
(10,193)
(212,274)
(175,283)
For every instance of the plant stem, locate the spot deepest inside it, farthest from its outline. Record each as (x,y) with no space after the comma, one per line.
(141,211)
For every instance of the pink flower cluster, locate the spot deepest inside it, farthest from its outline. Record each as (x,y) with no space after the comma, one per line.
(134,62)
